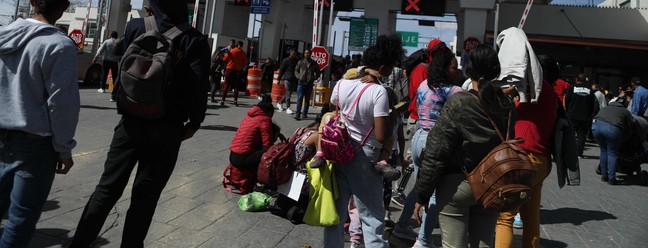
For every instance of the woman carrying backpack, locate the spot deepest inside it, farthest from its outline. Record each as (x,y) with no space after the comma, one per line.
(254,136)
(368,117)
(463,135)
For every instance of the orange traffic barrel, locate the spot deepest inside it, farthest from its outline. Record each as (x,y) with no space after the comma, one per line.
(278,88)
(254,81)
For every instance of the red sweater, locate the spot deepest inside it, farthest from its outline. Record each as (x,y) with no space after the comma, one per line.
(418,75)
(254,133)
(536,122)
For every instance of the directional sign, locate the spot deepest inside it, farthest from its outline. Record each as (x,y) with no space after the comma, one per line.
(77,37)
(410,39)
(423,7)
(363,33)
(321,56)
(260,7)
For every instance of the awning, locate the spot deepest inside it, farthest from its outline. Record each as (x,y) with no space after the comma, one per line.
(636,45)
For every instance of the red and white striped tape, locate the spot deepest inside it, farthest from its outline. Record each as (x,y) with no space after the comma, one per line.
(85,21)
(525,14)
(315,20)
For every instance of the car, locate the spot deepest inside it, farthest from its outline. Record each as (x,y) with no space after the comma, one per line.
(89,73)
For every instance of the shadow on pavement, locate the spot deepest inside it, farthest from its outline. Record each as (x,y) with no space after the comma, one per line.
(552,243)
(51,205)
(97,107)
(572,215)
(219,128)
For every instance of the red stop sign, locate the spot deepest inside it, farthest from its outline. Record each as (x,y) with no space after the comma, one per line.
(77,36)
(321,56)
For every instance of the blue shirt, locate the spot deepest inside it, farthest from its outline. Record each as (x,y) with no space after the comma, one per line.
(639,101)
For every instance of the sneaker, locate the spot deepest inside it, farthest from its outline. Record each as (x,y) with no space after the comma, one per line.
(387,171)
(355,244)
(101,91)
(517,222)
(604,178)
(279,107)
(112,99)
(288,111)
(612,181)
(405,233)
(398,199)
(388,221)
(418,244)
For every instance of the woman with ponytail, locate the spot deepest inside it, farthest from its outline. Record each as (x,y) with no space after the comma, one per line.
(462,136)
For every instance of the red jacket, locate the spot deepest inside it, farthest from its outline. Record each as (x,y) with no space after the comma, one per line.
(560,86)
(254,133)
(418,75)
(536,122)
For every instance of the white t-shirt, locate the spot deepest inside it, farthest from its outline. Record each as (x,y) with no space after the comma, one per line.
(373,103)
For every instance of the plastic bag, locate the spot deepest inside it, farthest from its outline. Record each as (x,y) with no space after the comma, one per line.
(321,209)
(253,202)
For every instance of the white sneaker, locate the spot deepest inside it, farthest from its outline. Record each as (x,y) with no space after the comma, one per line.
(279,107)
(418,244)
(101,91)
(288,111)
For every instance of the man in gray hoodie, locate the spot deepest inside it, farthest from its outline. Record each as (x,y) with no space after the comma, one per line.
(39,111)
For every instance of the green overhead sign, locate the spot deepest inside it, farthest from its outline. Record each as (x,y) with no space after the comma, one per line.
(363,33)
(410,39)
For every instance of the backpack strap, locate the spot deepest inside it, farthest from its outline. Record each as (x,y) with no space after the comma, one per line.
(149,23)
(366,137)
(177,30)
(508,125)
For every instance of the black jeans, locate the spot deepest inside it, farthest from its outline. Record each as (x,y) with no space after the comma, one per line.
(581,129)
(248,161)
(109,66)
(154,146)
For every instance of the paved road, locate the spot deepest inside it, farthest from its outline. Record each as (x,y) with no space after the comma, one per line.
(194,210)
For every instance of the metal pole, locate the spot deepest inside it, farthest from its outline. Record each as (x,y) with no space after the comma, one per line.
(495,28)
(205,18)
(330,28)
(211,24)
(261,36)
(334,36)
(17,7)
(319,24)
(97,34)
(343,37)
(253,29)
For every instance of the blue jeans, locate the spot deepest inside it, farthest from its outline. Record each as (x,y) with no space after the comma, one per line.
(358,178)
(608,137)
(425,233)
(303,99)
(418,143)
(27,166)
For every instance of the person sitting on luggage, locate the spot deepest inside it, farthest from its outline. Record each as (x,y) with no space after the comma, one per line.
(254,136)
(611,126)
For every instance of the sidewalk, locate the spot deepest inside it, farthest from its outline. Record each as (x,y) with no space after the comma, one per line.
(194,210)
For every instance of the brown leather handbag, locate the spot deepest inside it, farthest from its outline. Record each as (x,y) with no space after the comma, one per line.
(503,179)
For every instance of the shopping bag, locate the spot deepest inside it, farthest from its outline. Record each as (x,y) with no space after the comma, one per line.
(323,193)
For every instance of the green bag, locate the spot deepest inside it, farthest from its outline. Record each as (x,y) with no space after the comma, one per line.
(323,192)
(253,202)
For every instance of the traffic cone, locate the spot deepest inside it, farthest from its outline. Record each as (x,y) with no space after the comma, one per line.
(110,81)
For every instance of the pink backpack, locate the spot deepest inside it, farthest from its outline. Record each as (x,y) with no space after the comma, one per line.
(336,140)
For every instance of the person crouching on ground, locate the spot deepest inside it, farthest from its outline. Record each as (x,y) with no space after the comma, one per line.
(254,136)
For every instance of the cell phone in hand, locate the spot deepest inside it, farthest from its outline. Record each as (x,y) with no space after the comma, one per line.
(399,106)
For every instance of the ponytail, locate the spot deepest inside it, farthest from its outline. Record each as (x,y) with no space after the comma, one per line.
(493,98)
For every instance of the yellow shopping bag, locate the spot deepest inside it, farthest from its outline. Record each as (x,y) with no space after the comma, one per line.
(323,194)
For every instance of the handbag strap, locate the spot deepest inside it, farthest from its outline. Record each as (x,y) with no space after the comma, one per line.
(508,125)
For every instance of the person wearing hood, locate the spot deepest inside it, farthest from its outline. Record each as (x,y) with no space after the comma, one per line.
(151,144)
(253,137)
(611,126)
(39,96)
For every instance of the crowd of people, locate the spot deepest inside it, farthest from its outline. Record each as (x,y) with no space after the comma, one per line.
(382,98)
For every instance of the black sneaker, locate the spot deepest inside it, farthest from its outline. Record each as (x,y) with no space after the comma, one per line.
(612,181)
(604,178)
(387,171)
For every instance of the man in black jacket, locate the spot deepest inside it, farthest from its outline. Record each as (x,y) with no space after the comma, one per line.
(287,75)
(153,144)
(581,106)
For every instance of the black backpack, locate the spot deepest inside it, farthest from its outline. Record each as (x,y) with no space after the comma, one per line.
(146,68)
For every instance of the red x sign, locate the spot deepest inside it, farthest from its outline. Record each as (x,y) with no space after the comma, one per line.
(413,4)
